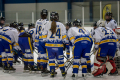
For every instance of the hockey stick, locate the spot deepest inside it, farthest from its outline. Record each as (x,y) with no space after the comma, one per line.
(65,62)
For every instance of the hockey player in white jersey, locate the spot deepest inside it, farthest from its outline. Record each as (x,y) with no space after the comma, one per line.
(82,42)
(94,27)
(2,21)
(8,38)
(109,21)
(54,35)
(68,25)
(106,44)
(16,48)
(32,31)
(42,56)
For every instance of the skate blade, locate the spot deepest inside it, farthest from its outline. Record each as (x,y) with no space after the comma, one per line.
(113,75)
(45,74)
(32,72)
(26,71)
(11,71)
(38,72)
(5,71)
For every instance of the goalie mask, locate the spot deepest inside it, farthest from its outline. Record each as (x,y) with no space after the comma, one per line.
(101,23)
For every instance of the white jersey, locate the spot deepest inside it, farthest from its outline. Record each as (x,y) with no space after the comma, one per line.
(112,24)
(102,34)
(16,45)
(11,34)
(59,37)
(92,32)
(40,24)
(33,33)
(75,32)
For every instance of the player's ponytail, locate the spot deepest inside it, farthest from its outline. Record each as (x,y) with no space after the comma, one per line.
(53,27)
(54,17)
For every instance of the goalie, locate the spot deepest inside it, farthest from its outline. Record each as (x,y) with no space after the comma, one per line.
(106,44)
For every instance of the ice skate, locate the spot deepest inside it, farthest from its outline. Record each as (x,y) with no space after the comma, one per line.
(38,70)
(32,69)
(1,66)
(52,74)
(5,69)
(26,69)
(74,76)
(84,76)
(45,72)
(63,73)
(114,74)
(11,69)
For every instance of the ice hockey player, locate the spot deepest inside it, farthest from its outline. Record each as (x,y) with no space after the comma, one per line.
(8,37)
(2,21)
(16,49)
(105,43)
(42,55)
(25,43)
(54,35)
(68,25)
(94,27)
(109,21)
(81,40)
(32,31)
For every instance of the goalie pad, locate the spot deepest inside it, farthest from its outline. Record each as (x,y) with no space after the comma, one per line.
(99,66)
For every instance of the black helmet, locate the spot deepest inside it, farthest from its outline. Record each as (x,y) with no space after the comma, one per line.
(44,12)
(11,24)
(77,22)
(15,25)
(108,14)
(54,16)
(20,24)
(31,25)
(95,24)
(2,19)
(69,24)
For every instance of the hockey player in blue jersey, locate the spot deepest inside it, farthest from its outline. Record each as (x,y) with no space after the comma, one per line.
(54,35)
(81,40)
(2,21)
(25,43)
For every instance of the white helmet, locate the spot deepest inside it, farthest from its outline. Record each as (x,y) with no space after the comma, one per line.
(101,23)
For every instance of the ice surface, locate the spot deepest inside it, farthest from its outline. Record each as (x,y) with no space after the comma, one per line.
(19,75)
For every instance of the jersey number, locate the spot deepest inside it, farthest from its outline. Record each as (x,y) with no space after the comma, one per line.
(31,32)
(38,29)
(57,33)
(81,31)
(107,32)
